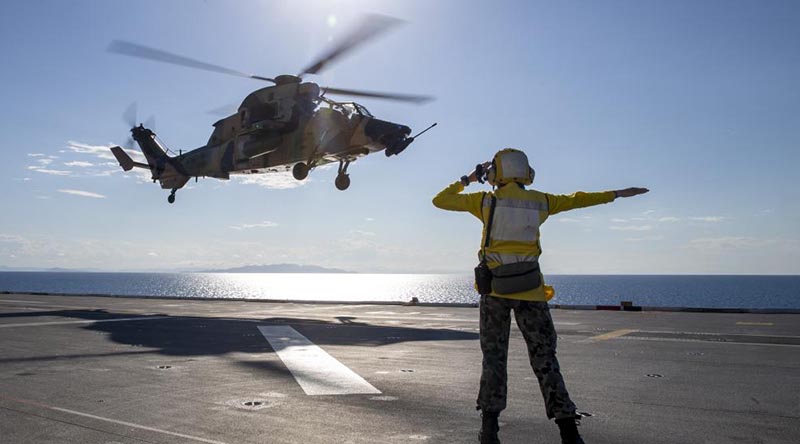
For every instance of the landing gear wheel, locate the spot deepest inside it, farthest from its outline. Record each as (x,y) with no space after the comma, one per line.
(171,198)
(300,171)
(342,181)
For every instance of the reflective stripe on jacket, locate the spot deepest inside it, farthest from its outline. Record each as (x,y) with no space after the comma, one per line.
(518,214)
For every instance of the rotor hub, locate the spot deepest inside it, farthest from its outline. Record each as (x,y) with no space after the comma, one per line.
(285,79)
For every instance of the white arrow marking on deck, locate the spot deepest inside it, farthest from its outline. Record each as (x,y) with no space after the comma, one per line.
(317,372)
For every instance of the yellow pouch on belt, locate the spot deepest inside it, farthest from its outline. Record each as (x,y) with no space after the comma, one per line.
(549,292)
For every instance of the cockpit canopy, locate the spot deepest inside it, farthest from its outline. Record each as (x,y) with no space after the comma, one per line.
(351,109)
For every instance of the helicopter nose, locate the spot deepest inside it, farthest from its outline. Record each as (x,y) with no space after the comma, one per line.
(386,132)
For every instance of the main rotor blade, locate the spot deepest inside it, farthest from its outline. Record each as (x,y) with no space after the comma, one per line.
(379,95)
(144,52)
(369,27)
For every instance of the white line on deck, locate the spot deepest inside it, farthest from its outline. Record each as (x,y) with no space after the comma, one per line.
(89,321)
(317,372)
(24,302)
(114,421)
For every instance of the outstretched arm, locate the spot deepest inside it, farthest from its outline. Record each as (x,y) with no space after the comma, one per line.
(563,202)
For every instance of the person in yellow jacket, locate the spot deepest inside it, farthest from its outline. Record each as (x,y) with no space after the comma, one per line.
(509,278)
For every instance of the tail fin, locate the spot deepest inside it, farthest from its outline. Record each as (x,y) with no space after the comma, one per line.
(125,160)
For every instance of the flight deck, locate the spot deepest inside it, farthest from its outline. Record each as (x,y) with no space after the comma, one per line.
(107,370)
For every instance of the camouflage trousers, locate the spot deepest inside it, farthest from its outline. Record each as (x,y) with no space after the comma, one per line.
(536,324)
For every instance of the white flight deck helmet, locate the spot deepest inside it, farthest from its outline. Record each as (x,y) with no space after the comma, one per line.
(510,165)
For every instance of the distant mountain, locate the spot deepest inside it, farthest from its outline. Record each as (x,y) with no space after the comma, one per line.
(53,269)
(278,268)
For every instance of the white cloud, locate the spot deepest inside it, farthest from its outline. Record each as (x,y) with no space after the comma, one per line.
(708,219)
(11,238)
(152,254)
(668,219)
(101,151)
(619,221)
(632,228)
(79,163)
(362,233)
(265,224)
(567,219)
(82,193)
(274,181)
(733,242)
(370,219)
(645,239)
(82,168)
(51,172)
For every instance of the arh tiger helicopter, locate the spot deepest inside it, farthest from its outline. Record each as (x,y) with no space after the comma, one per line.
(291,125)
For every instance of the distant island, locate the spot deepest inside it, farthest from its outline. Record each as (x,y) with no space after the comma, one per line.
(48,270)
(277,268)
(273,268)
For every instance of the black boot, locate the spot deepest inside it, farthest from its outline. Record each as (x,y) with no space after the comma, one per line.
(569,431)
(489,428)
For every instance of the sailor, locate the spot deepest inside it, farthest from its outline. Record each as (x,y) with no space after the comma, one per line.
(508,278)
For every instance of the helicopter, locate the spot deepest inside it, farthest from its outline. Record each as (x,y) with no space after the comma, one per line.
(291,125)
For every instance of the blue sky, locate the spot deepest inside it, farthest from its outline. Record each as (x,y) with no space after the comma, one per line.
(698,101)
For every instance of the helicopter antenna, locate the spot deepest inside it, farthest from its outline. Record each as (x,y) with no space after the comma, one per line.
(425,130)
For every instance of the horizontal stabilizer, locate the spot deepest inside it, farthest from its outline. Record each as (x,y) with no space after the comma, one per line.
(125,160)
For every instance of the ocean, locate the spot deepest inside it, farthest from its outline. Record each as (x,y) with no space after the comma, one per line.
(715,291)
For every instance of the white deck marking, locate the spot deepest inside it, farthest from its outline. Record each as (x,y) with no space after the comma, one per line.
(24,302)
(317,372)
(114,421)
(89,321)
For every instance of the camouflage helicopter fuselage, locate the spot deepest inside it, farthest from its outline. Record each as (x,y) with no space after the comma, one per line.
(290,126)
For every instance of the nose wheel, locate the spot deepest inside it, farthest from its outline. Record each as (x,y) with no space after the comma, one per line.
(342,181)
(171,197)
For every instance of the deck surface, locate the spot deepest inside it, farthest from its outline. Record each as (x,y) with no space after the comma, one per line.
(77,369)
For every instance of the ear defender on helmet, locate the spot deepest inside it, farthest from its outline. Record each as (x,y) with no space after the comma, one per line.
(491,173)
(510,165)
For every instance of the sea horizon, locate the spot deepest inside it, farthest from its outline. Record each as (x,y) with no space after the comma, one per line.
(134,271)
(712,291)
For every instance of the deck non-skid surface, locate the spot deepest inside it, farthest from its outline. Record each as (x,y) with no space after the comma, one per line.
(80,369)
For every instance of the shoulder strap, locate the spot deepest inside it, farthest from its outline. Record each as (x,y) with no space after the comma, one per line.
(489,223)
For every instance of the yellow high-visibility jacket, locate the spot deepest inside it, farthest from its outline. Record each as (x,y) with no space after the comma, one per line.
(518,214)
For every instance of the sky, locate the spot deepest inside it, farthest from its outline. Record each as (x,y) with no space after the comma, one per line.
(697,101)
